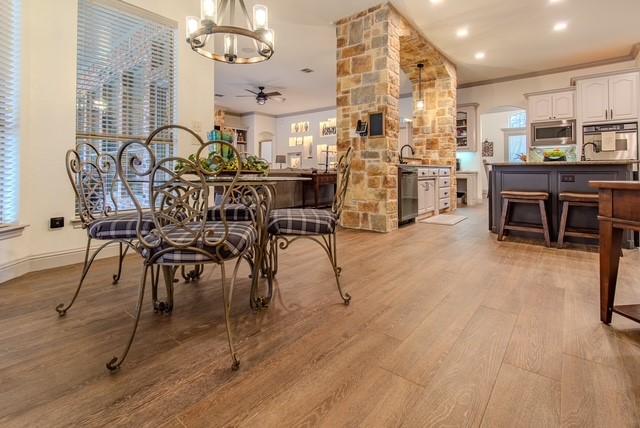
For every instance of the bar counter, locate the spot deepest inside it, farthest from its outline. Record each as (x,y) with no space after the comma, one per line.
(554,178)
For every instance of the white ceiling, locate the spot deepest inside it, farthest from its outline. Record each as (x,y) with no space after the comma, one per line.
(516,35)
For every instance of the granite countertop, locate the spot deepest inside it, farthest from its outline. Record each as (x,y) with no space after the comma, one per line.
(593,162)
(418,165)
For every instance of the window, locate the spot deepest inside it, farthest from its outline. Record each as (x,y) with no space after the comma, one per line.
(125,82)
(518,119)
(9,109)
(515,144)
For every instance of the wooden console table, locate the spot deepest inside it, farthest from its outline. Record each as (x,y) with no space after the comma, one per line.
(619,210)
(319,179)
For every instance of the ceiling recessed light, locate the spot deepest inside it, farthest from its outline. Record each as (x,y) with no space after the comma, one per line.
(560,26)
(435,1)
(462,32)
(479,55)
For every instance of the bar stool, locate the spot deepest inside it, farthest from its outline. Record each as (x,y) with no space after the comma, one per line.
(515,197)
(573,199)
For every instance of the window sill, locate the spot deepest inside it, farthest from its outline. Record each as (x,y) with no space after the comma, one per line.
(11,231)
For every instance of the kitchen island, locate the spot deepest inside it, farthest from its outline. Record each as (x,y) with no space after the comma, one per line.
(554,178)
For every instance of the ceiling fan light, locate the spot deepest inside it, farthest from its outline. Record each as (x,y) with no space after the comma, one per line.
(209,11)
(261,101)
(260,17)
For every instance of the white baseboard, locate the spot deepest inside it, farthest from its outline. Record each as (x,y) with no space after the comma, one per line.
(43,261)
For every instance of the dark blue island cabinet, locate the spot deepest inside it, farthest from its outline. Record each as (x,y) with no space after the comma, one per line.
(554,178)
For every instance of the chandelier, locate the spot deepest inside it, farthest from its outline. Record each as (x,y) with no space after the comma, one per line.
(201,31)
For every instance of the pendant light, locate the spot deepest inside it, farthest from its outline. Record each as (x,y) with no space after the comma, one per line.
(420,101)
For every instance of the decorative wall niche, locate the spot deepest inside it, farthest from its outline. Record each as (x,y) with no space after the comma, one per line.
(294,160)
(307,144)
(300,127)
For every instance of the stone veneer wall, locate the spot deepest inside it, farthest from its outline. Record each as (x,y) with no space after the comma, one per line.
(372,46)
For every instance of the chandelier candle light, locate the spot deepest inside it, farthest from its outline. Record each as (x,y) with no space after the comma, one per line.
(201,32)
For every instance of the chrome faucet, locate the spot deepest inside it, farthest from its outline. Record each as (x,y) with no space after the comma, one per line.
(413,152)
(583,158)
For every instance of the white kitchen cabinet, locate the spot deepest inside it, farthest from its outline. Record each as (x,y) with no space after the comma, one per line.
(609,97)
(426,196)
(563,105)
(594,99)
(551,105)
(540,108)
(623,96)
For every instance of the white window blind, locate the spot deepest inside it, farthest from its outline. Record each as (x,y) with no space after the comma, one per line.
(9,109)
(125,81)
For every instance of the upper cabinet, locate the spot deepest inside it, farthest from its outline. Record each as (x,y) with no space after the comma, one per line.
(607,98)
(551,105)
(623,96)
(466,127)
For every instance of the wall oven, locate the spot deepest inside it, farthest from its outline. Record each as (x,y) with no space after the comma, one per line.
(618,141)
(556,133)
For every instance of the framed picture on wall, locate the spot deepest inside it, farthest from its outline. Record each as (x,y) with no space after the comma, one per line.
(328,128)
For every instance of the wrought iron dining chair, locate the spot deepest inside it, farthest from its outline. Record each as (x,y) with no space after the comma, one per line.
(291,224)
(179,193)
(94,178)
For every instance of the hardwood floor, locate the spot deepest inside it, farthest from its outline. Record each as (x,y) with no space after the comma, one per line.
(447,327)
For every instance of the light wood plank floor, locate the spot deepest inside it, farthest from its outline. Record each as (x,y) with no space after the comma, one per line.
(447,327)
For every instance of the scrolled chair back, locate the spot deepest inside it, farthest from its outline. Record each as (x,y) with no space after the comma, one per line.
(93,176)
(344,175)
(179,191)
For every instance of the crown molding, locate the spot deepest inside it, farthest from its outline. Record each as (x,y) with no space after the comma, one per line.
(633,53)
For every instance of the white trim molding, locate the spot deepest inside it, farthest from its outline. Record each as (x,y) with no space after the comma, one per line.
(9,231)
(37,262)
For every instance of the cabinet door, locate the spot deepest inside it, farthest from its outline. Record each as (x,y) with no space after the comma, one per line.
(430,196)
(563,105)
(594,99)
(623,96)
(540,108)
(422,196)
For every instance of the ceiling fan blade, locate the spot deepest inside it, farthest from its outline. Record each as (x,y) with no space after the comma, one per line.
(277,99)
(249,90)
(273,94)
(245,96)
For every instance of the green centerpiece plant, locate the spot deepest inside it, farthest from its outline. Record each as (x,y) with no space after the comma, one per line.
(222,159)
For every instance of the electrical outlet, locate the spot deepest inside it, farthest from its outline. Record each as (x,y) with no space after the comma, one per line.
(56,223)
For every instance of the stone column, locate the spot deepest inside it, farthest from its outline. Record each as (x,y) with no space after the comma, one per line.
(368,81)
(372,47)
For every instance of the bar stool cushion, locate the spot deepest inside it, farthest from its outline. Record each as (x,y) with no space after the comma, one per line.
(233,212)
(301,221)
(120,226)
(239,238)
(579,197)
(536,196)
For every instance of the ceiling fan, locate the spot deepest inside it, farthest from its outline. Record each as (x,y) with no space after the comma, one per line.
(262,97)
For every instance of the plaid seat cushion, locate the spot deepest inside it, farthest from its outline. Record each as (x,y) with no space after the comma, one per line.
(233,212)
(301,221)
(240,237)
(120,226)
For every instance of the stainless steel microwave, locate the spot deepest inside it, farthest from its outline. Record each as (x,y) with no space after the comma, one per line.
(559,132)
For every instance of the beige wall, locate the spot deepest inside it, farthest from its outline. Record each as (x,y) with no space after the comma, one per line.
(48,125)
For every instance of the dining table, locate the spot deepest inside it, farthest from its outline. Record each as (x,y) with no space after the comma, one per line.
(264,187)
(618,210)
